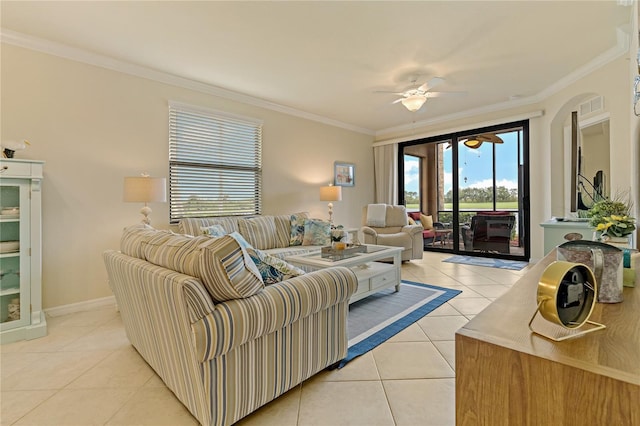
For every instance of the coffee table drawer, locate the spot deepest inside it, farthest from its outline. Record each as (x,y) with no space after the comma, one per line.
(384,280)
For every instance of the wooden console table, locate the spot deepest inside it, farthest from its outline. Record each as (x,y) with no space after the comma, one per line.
(506,375)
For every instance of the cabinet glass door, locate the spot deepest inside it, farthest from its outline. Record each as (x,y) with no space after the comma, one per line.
(14,255)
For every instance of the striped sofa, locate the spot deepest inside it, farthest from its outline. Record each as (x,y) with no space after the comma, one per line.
(226,355)
(271,234)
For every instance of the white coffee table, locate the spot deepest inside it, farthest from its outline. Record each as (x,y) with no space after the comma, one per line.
(372,276)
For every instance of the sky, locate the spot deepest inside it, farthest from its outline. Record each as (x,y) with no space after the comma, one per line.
(474,166)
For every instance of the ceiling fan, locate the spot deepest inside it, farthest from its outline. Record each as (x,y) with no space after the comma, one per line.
(474,142)
(414,98)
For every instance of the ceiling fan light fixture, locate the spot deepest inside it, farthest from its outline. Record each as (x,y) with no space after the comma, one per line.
(414,102)
(473,143)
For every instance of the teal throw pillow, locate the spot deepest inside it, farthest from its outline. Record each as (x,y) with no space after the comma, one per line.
(297,228)
(316,233)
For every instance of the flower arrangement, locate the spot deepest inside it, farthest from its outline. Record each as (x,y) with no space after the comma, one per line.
(337,233)
(617,226)
(612,217)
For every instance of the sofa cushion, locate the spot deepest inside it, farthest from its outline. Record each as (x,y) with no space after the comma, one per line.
(227,270)
(133,237)
(283,230)
(178,252)
(260,231)
(213,230)
(297,228)
(316,233)
(191,226)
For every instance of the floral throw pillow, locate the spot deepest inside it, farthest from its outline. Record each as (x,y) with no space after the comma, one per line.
(271,268)
(297,228)
(316,233)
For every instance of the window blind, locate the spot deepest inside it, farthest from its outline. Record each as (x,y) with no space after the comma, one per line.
(215,164)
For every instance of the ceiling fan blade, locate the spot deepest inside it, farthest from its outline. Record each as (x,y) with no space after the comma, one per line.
(445,94)
(435,81)
(490,137)
(397,100)
(388,91)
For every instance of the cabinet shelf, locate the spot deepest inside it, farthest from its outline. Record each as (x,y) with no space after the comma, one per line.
(9,291)
(10,254)
(21,314)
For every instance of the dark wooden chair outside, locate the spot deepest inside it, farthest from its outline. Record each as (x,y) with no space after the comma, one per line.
(492,233)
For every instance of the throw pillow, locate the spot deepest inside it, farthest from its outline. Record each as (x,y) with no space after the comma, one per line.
(317,232)
(259,231)
(213,230)
(297,228)
(426,221)
(227,270)
(272,269)
(411,221)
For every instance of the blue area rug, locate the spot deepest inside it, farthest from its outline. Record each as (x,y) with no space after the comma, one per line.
(382,315)
(514,265)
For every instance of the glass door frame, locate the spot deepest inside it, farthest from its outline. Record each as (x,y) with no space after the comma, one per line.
(524,221)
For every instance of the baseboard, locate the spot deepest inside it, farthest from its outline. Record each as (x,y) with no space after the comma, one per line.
(87,305)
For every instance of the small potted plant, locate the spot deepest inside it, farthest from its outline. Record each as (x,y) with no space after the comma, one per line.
(338,234)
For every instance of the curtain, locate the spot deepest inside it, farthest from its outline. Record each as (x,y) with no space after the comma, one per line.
(385,169)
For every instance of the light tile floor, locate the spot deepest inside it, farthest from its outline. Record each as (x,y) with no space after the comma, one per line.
(85,372)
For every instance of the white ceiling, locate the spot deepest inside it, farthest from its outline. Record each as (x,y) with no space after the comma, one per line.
(326,59)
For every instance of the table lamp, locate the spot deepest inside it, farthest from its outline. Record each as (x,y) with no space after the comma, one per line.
(330,193)
(145,189)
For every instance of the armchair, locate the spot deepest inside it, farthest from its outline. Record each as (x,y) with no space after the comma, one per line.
(396,232)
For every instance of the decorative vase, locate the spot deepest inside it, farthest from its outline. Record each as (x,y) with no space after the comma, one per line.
(606,262)
(620,242)
(339,245)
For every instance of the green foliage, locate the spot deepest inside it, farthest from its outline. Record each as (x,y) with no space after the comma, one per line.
(411,198)
(602,210)
(483,195)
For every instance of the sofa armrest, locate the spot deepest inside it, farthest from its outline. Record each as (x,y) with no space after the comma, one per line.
(366,230)
(412,229)
(235,322)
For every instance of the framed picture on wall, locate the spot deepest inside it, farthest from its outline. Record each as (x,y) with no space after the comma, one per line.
(344,174)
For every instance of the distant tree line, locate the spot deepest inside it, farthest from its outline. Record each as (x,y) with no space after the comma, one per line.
(411,197)
(483,195)
(471,195)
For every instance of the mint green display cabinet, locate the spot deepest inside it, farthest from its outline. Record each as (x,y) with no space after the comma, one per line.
(21,315)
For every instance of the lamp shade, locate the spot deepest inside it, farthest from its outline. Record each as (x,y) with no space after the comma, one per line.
(414,102)
(330,193)
(144,189)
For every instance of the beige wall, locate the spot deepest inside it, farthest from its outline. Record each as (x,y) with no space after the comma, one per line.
(94,126)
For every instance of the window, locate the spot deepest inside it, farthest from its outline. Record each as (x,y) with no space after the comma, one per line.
(215,163)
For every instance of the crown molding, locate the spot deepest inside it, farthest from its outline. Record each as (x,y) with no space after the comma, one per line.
(79,55)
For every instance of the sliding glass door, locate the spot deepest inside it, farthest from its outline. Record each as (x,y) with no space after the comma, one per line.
(475,187)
